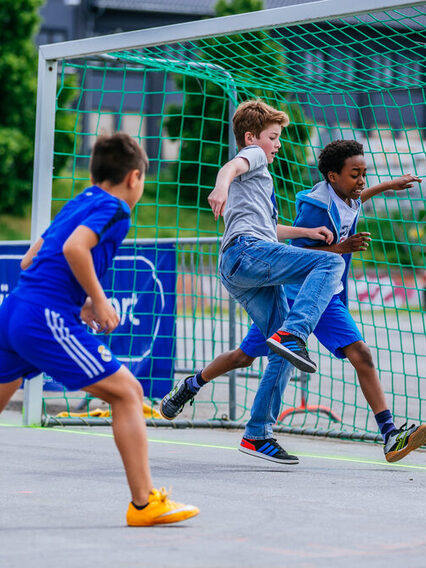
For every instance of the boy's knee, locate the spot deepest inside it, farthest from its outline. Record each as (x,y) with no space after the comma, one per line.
(137,389)
(131,388)
(333,261)
(240,359)
(336,265)
(338,262)
(359,355)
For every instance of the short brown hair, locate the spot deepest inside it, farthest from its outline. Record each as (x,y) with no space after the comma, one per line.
(113,157)
(254,116)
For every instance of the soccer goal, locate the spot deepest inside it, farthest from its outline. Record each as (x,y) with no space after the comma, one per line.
(341,72)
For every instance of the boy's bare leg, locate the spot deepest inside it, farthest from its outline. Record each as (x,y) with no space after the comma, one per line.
(124,393)
(360,356)
(226,362)
(185,390)
(7,390)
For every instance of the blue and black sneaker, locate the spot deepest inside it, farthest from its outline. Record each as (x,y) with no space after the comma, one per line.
(293,349)
(268,449)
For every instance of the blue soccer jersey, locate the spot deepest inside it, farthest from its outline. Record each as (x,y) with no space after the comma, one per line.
(49,279)
(39,325)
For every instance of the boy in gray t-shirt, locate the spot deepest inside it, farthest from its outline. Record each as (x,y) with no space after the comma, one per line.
(254,266)
(243,215)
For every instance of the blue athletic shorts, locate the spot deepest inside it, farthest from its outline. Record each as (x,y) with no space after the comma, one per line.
(34,338)
(335,330)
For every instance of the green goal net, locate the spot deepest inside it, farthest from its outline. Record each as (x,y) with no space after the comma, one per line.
(356,76)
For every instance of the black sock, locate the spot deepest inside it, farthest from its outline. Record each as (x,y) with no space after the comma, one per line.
(200,381)
(196,382)
(385,423)
(139,507)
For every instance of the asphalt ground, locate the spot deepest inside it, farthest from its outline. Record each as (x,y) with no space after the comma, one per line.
(64,497)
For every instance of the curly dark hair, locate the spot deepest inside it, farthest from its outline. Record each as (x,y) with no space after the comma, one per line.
(332,157)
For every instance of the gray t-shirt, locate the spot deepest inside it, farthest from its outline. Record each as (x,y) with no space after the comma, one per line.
(251,207)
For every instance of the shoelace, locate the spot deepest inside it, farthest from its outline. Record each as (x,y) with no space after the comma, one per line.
(404,428)
(162,494)
(302,346)
(273,442)
(182,397)
(300,343)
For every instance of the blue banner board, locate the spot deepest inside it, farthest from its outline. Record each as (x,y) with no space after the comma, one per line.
(142,287)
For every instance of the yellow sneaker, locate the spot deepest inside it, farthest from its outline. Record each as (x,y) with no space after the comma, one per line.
(159,511)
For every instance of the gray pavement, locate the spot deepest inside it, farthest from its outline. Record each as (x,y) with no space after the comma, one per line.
(64,497)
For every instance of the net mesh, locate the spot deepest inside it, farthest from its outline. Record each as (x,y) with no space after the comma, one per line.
(360,77)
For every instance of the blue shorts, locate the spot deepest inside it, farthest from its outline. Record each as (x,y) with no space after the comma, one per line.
(35,339)
(335,330)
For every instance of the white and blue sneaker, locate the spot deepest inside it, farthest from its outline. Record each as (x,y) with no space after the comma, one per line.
(403,441)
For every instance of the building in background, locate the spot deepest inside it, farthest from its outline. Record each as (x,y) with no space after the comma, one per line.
(391,127)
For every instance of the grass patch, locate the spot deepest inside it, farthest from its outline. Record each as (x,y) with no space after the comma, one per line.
(15,228)
(158,215)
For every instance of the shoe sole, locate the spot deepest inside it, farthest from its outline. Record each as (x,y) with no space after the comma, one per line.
(269,458)
(167,520)
(416,440)
(294,359)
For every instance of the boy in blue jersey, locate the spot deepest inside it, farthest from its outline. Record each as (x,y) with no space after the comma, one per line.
(334,203)
(41,325)
(254,266)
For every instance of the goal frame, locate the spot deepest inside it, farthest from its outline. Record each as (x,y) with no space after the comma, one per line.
(51,54)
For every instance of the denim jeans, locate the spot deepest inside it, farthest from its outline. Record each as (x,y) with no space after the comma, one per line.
(254,271)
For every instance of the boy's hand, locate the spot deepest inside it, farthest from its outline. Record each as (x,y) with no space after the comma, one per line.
(403,182)
(354,243)
(320,234)
(88,316)
(217,200)
(105,316)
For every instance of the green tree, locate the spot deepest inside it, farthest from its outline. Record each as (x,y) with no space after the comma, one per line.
(201,121)
(19,21)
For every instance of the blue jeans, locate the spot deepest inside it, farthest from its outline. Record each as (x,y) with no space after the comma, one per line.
(254,271)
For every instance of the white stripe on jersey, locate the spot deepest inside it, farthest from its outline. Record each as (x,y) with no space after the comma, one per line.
(63,337)
(83,350)
(62,332)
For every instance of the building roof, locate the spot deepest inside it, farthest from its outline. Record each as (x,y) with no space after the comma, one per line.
(195,7)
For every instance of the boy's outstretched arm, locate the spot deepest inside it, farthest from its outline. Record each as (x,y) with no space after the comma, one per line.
(397,184)
(316,233)
(232,169)
(77,251)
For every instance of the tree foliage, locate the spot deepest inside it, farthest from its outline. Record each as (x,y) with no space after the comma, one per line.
(201,121)
(19,22)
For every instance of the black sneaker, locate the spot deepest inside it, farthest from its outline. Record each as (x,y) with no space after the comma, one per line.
(268,449)
(293,349)
(403,441)
(174,402)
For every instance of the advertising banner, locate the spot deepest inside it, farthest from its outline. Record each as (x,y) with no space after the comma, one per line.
(141,285)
